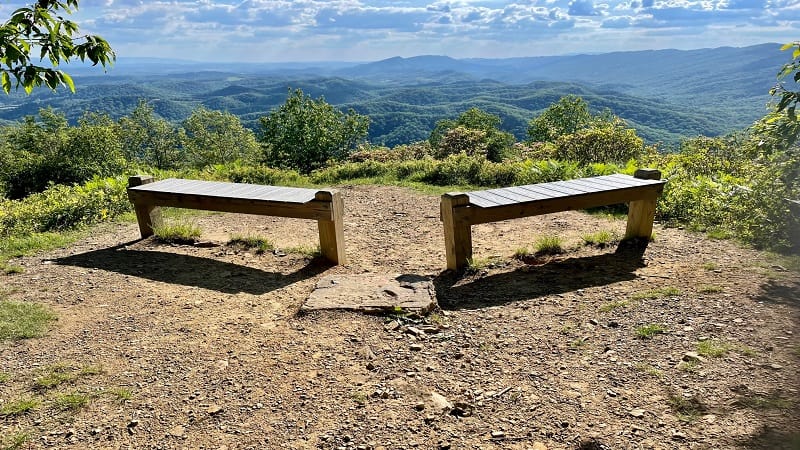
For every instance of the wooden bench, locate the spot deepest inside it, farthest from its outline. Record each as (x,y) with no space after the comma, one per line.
(459,211)
(324,206)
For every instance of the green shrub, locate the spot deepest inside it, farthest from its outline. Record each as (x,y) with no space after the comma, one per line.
(351,171)
(63,207)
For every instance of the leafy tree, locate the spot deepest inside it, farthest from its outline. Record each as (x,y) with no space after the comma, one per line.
(40,28)
(217,137)
(49,151)
(475,128)
(304,133)
(150,140)
(569,115)
(602,143)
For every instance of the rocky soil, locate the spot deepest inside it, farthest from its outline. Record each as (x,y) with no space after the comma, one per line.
(690,344)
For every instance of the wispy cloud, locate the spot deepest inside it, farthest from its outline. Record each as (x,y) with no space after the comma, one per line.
(269,30)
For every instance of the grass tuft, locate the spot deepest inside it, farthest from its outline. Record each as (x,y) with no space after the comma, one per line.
(22,320)
(14,442)
(549,245)
(649,330)
(601,239)
(54,376)
(709,289)
(177,233)
(19,407)
(260,244)
(713,348)
(608,307)
(73,401)
(121,395)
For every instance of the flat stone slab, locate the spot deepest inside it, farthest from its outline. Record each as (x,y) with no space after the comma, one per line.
(373,293)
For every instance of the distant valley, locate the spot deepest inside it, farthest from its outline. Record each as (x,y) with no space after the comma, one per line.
(664,94)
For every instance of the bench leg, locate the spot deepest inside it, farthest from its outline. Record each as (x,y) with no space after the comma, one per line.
(148,216)
(641,214)
(457,234)
(331,232)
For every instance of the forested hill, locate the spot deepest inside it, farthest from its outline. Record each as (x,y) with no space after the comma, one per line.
(665,94)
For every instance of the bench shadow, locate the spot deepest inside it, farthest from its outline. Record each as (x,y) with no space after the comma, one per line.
(190,270)
(529,282)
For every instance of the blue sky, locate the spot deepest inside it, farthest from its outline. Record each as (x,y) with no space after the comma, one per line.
(350,30)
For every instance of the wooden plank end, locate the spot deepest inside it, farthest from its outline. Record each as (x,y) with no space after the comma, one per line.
(647,174)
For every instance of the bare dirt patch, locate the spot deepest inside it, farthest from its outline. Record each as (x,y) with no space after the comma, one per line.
(692,343)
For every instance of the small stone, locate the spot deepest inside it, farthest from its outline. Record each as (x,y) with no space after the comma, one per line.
(613,324)
(420,406)
(775,366)
(414,331)
(611,393)
(498,435)
(370,366)
(440,402)
(392,326)
(637,412)
(593,322)
(415,347)
(693,357)
(214,409)
(678,436)
(177,431)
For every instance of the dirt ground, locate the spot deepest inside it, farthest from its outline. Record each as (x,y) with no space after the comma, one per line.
(202,347)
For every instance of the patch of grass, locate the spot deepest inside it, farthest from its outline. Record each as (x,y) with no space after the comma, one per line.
(177,232)
(688,366)
(656,293)
(650,370)
(600,239)
(649,330)
(54,376)
(121,395)
(307,251)
(22,320)
(710,265)
(4,377)
(258,243)
(709,289)
(568,328)
(687,409)
(475,265)
(521,253)
(19,407)
(718,233)
(577,343)
(549,245)
(11,269)
(607,307)
(90,370)
(713,348)
(359,397)
(73,401)
(23,245)
(15,441)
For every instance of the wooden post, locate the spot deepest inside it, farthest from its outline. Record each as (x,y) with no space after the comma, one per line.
(331,232)
(148,216)
(641,213)
(457,233)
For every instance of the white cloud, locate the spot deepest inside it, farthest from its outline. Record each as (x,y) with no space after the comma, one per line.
(367,30)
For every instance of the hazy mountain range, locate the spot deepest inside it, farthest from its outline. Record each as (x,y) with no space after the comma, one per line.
(664,94)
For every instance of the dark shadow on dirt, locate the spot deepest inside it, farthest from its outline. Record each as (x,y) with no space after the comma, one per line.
(769,438)
(191,270)
(780,293)
(529,282)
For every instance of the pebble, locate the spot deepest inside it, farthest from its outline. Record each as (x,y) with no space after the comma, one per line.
(498,435)
(637,412)
(693,356)
(415,347)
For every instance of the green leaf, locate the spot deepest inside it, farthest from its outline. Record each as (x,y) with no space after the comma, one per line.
(6,82)
(66,79)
